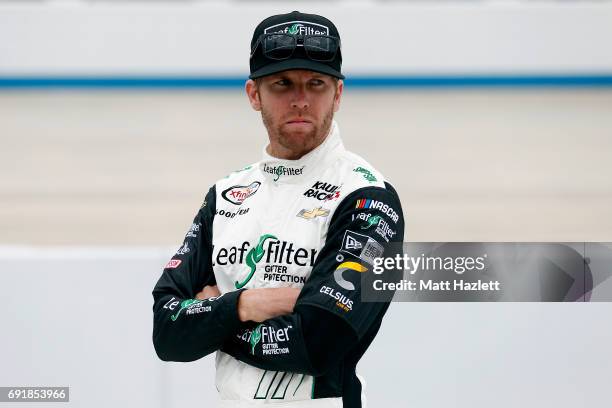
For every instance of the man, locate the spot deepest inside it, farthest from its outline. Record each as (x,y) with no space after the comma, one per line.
(269,275)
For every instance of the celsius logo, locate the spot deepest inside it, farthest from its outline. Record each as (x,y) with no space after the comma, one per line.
(298,28)
(237,194)
(345,266)
(279,171)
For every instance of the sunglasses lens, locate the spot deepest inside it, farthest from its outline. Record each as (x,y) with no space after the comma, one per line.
(320,48)
(278,46)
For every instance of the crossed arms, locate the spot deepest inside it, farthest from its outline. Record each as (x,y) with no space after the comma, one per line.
(192,319)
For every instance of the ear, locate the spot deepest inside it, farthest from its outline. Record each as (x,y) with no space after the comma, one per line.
(338,96)
(253,93)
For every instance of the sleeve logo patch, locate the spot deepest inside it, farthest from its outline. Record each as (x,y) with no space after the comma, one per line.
(361,246)
(346,266)
(173,263)
(377,205)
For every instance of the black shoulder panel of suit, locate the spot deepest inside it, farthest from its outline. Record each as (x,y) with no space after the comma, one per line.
(361,229)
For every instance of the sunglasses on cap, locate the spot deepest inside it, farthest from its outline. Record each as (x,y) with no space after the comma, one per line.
(280,46)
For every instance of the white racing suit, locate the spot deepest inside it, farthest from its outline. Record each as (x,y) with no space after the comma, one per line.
(315,223)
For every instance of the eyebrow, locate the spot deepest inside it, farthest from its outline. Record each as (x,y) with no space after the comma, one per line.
(274,78)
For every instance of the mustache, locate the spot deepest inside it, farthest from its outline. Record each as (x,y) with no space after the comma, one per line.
(298,119)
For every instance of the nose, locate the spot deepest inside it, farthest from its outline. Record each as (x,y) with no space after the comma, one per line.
(300,99)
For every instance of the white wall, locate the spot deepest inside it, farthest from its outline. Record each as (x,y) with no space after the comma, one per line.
(212,38)
(82,317)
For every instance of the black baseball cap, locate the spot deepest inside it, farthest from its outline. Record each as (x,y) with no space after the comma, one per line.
(298,24)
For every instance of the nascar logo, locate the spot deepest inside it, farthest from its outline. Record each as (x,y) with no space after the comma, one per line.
(377,205)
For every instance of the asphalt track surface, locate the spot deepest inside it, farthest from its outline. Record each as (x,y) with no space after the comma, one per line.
(115,168)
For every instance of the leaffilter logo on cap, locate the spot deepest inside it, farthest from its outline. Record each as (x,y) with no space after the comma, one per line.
(298,28)
(294,28)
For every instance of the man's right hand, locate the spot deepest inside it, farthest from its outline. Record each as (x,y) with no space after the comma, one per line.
(262,304)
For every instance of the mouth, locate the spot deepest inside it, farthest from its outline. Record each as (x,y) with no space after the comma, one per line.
(297,121)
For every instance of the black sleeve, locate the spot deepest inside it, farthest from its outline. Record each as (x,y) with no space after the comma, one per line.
(329,316)
(186,329)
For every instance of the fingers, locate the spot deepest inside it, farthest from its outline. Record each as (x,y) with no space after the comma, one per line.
(208,292)
(266,303)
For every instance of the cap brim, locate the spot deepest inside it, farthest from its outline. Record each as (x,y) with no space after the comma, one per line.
(295,63)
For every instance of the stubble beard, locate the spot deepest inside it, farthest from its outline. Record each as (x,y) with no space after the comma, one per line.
(298,145)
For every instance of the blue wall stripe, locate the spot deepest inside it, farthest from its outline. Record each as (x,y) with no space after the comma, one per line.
(374,81)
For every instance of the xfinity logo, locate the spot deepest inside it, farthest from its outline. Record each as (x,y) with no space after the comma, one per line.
(237,194)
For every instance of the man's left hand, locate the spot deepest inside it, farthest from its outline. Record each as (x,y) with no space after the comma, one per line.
(208,292)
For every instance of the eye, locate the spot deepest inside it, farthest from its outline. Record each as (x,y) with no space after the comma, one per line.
(316,82)
(282,82)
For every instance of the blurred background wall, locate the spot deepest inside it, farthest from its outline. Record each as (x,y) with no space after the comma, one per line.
(206,37)
(493,119)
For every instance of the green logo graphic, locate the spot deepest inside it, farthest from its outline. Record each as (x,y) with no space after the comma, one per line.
(253,257)
(184,305)
(372,221)
(294,29)
(238,171)
(367,174)
(279,172)
(255,338)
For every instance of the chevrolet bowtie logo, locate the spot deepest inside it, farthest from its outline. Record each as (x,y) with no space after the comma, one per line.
(315,212)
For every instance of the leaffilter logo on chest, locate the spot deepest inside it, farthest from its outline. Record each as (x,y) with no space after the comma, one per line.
(253,257)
